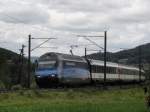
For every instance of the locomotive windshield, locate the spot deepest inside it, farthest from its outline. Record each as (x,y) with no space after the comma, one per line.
(46,64)
(75,64)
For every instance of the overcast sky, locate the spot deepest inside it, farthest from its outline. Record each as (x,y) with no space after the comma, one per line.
(127,23)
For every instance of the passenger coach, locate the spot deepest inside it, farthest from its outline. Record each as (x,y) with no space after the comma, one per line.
(115,72)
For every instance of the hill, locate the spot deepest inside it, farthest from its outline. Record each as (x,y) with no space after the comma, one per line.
(6,55)
(130,56)
(12,71)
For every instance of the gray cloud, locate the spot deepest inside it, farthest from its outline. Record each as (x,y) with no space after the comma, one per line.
(24,13)
(127,22)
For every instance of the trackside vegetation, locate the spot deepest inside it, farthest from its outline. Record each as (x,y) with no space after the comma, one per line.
(74,100)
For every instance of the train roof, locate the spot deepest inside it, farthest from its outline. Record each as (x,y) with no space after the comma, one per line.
(62,56)
(111,64)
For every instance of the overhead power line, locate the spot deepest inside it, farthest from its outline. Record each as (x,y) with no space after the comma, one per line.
(21,21)
(49,47)
(86,37)
(38,46)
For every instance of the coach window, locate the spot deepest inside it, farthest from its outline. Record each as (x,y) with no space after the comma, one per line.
(136,72)
(111,70)
(128,72)
(92,68)
(107,69)
(96,69)
(100,69)
(122,72)
(132,72)
(114,70)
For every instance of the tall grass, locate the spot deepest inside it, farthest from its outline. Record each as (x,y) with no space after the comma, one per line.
(74,100)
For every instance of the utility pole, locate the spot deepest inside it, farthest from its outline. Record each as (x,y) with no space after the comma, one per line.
(21,61)
(29,61)
(140,65)
(29,55)
(105,51)
(105,56)
(85,53)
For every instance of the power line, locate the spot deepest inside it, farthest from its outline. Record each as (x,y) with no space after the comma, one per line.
(49,47)
(86,37)
(41,43)
(89,36)
(16,19)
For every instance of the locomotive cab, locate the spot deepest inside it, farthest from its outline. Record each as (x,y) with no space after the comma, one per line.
(46,71)
(57,68)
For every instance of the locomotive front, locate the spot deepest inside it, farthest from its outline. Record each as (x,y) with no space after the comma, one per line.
(46,72)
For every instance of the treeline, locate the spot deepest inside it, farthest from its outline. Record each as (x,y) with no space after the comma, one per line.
(131,55)
(12,71)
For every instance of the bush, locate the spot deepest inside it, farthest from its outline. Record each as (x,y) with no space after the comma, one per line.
(16,87)
(2,86)
(37,93)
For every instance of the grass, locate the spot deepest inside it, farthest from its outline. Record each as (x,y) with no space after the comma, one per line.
(74,100)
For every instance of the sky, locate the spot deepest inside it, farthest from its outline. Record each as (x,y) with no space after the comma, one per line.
(127,24)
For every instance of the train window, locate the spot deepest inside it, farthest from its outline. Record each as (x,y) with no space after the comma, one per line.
(70,64)
(100,69)
(111,70)
(94,69)
(137,72)
(47,64)
(107,69)
(143,74)
(97,69)
(47,58)
(119,71)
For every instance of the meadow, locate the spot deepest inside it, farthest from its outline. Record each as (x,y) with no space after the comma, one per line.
(74,100)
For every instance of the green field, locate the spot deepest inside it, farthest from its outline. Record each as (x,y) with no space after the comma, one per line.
(74,100)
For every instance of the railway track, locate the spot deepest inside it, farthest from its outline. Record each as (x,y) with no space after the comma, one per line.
(88,87)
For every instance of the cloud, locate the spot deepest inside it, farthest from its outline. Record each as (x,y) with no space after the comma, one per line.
(24,13)
(127,23)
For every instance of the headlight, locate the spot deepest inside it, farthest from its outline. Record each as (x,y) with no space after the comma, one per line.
(38,76)
(53,75)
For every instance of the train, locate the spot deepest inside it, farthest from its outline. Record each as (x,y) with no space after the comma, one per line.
(60,69)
